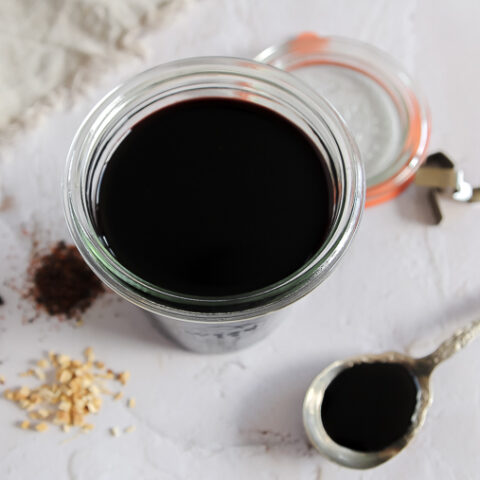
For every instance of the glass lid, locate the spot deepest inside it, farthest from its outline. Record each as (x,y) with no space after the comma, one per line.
(376,98)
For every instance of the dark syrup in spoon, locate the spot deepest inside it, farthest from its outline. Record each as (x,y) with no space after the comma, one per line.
(369,406)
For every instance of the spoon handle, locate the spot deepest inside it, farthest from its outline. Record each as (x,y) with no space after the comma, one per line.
(460,339)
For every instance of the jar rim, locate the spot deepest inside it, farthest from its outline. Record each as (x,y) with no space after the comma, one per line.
(246,77)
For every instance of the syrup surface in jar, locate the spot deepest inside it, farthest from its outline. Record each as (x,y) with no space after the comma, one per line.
(214,197)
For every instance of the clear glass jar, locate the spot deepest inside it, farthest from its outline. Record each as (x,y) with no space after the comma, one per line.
(199,323)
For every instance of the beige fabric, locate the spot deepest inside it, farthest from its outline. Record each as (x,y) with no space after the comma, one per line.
(52,49)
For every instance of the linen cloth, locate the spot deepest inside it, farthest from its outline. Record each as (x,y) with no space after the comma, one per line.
(52,50)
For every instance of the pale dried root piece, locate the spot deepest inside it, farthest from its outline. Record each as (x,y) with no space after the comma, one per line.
(43,363)
(78,419)
(118,396)
(130,429)
(94,390)
(25,425)
(91,407)
(65,405)
(89,355)
(40,374)
(97,402)
(41,427)
(22,393)
(9,395)
(64,376)
(123,377)
(71,397)
(63,360)
(115,431)
(2,380)
(62,417)
(44,413)
(88,427)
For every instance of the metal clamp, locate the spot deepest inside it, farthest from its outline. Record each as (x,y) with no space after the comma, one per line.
(440,175)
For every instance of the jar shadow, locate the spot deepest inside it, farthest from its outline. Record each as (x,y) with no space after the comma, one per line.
(415,206)
(271,413)
(116,319)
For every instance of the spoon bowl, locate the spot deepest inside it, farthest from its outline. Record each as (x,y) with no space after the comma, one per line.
(421,370)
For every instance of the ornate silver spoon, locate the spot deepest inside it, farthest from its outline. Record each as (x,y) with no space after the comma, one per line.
(420,368)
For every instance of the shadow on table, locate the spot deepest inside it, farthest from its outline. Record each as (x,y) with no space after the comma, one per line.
(114,317)
(271,413)
(414,205)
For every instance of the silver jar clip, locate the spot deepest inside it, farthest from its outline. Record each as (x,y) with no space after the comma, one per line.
(440,175)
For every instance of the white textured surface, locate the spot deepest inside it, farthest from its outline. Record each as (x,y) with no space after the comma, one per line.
(403,285)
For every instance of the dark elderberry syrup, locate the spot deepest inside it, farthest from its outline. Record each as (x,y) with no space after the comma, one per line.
(214,197)
(369,406)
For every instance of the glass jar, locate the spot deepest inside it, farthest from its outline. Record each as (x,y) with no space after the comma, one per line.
(206,324)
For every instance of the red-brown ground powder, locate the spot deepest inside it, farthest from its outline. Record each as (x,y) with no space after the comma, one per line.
(63,284)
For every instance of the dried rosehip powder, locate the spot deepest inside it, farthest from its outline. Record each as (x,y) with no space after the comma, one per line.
(63,284)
